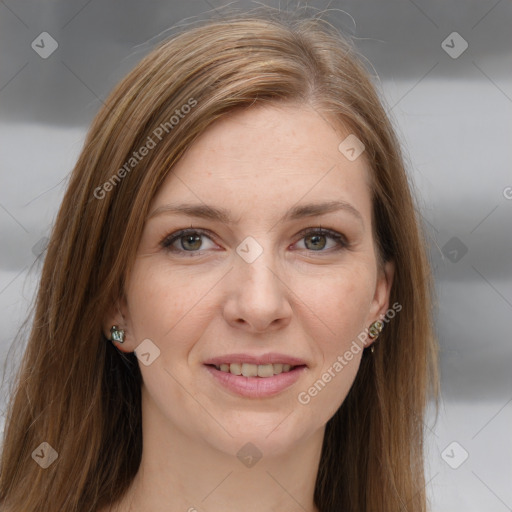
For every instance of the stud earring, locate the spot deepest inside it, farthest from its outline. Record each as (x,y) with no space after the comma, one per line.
(116,334)
(374,331)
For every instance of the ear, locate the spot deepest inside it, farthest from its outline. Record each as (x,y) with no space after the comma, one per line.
(380,301)
(117,315)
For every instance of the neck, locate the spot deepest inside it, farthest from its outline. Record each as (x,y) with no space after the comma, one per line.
(180,472)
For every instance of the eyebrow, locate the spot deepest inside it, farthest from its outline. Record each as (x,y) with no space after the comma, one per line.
(205,211)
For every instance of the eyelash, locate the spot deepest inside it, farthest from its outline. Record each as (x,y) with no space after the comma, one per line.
(340,239)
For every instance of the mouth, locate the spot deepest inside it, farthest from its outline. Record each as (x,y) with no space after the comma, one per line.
(255,377)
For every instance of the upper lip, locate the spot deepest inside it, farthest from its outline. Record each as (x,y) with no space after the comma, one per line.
(270,358)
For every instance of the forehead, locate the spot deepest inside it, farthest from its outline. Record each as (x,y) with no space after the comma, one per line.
(275,155)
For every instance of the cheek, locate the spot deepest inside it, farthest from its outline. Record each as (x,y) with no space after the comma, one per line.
(162,305)
(340,301)
(336,312)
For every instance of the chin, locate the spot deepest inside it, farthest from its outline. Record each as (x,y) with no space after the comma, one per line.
(262,433)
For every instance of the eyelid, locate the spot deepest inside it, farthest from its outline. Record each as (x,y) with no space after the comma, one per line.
(169,239)
(341,240)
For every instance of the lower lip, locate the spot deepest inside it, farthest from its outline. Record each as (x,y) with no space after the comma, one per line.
(256,387)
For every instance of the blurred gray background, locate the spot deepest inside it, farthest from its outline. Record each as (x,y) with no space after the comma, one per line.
(444,70)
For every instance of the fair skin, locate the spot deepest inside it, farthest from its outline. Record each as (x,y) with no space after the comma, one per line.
(305,296)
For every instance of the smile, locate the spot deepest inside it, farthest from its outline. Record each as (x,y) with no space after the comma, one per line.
(255,381)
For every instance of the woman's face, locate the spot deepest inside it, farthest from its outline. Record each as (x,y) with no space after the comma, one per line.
(261,284)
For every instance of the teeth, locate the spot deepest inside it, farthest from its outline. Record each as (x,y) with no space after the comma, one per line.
(249,370)
(265,370)
(235,369)
(254,370)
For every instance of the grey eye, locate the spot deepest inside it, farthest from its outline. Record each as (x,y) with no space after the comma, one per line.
(317,241)
(191,242)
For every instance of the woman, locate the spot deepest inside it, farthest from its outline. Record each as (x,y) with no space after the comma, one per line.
(235,307)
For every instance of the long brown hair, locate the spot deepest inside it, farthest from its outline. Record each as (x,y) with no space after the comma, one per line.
(80,395)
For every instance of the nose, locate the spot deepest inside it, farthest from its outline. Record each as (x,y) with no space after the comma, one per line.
(258,298)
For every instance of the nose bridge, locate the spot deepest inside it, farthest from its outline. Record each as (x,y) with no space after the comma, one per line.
(258,297)
(257,264)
